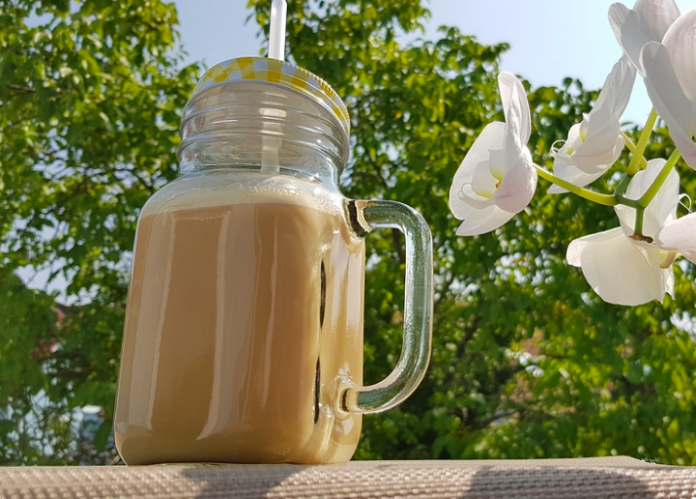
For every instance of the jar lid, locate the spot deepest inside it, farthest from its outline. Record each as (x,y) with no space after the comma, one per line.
(278,72)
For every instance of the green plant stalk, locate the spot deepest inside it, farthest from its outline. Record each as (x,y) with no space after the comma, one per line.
(603,199)
(632,148)
(642,203)
(635,163)
(649,195)
(638,229)
(620,193)
(631,203)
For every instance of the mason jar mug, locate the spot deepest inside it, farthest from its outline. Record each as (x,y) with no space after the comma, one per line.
(243,338)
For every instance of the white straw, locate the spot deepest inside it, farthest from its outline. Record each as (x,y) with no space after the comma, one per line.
(276,40)
(276,50)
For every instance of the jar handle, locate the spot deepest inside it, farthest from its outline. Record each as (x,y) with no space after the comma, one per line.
(418,308)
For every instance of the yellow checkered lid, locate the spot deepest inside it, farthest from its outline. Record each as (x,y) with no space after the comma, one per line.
(279,72)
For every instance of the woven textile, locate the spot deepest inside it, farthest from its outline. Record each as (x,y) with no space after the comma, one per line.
(546,479)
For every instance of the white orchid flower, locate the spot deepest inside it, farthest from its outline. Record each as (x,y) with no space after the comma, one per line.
(624,271)
(648,21)
(670,76)
(497,178)
(595,144)
(679,236)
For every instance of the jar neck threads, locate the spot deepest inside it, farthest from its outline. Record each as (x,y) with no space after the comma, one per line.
(263,126)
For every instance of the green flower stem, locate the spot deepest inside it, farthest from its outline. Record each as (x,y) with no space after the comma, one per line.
(635,163)
(621,199)
(629,143)
(645,199)
(632,148)
(603,199)
(620,193)
(638,229)
(641,204)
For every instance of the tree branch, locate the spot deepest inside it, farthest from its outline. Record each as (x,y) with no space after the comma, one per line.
(20,88)
(445,289)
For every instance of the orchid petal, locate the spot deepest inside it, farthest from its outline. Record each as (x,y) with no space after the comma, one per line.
(491,137)
(573,141)
(471,197)
(568,148)
(680,44)
(614,96)
(479,193)
(515,106)
(577,246)
(601,150)
(563,165)
(617,271)
(599,139)
(653,254)
(517,189)
(680,236)
(478,222)
(664,89)
(656,16)
(626,26)
(648,21)
(686,146)
(496,163)
(661,208)
(669,99)
(483,182)
(565,170)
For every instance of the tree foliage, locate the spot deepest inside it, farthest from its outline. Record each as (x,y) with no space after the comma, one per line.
(527,361)
(90,95)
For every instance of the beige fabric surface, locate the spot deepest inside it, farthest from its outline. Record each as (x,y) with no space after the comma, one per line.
(617,477)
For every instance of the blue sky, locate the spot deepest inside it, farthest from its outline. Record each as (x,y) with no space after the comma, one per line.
(550,39)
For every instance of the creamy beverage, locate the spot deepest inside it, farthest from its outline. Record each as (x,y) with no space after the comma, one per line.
(241,321)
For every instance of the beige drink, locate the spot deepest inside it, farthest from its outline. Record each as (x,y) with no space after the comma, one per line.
(241,319)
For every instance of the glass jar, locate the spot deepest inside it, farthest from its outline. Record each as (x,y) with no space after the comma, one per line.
(243,339)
